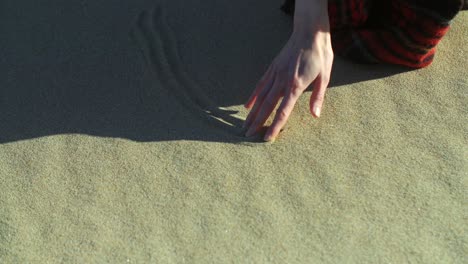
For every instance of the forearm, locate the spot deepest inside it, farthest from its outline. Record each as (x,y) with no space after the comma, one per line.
(311,16)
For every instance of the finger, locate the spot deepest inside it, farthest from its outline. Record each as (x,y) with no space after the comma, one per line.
(263,81)
(318,95)
(258,102)
(268,105)
(281,116)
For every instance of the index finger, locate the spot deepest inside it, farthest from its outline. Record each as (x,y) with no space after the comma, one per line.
(281,116)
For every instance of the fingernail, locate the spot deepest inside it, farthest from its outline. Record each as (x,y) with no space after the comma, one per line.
(269,138)
(317,111)
(250,132)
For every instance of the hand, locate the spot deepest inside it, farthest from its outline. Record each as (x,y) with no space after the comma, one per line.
(306,59)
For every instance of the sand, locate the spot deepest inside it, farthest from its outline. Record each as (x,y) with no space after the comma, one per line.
(120,143)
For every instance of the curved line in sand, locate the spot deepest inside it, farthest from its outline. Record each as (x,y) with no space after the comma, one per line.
(159,48)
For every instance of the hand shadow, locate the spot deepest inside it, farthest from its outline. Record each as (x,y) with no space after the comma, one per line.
(176,73)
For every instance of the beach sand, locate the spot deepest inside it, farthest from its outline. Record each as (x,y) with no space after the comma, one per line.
(120,143)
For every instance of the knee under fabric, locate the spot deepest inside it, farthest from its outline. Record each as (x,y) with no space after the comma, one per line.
(401,32)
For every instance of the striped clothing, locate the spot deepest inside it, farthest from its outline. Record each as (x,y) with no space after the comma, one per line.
(402,32)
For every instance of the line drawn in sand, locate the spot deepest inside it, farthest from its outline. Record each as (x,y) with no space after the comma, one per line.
(159,48)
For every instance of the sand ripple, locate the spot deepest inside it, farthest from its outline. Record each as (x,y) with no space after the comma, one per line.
(159,48)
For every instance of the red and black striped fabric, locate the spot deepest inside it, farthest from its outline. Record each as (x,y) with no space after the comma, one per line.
(402,32)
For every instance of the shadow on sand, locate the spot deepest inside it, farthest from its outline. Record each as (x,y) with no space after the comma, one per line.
(145,73)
